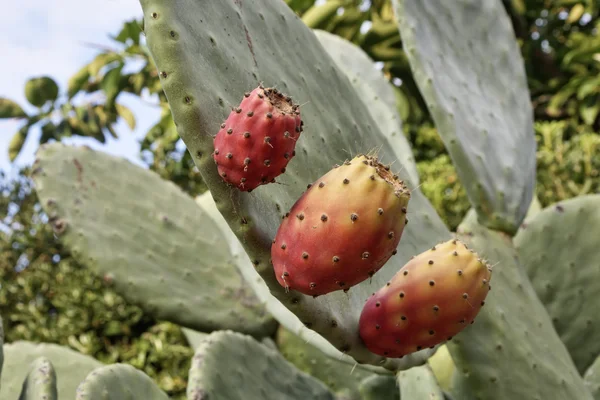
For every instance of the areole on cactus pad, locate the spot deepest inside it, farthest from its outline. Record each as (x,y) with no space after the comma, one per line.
(432,298)
(257,141)
(342,230)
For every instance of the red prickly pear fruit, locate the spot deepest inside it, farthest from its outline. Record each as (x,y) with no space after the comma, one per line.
(342,230)
(257,141)
(431,299)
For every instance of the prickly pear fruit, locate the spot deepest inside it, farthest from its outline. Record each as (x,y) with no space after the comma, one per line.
(342,230)
(431,298)
(257,141)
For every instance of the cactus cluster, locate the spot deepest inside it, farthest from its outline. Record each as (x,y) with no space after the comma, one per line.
(327,253)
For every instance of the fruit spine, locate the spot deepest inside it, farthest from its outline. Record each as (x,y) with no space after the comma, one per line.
(257,141)
(342,230)
(431,298)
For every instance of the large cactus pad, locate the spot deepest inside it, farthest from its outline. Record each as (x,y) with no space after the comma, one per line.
(559,249)
(469,68)
(210,53)
(147,237)
(230,365)
(512,350)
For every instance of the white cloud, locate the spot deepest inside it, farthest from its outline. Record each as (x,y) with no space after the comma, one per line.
(38,37)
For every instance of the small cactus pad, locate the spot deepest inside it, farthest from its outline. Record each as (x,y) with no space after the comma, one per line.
(147,238)
(431,299)
(560,250)
(341,377)
(512,350)
(592,379)
(70,367)
(379,387)
(378,96)
(119,382)
(209,53)
(257,141)
(229,365)
(466,61)
(419,383)
(40,383)
(342,230)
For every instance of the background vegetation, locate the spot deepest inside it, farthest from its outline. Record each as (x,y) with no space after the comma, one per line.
(46,296)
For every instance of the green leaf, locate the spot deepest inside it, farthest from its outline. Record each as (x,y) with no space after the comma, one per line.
(127,115)
(589,109)
(77,81)
(16,143)
(100,62)
(131,31)
(110,84)
(10,109)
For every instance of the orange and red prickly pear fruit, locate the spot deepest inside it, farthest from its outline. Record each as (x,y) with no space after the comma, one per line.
(432,298)
(257,141)
(342,230)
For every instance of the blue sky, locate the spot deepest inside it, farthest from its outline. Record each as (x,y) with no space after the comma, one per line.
(39,37)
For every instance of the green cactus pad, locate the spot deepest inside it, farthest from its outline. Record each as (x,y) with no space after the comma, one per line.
(282,314)
(40,383)
(468,66)
(70,367)
(229,365)
(377,95)
(559,249)
(512,350)
(377,387)
(193,337)
(119,382)
(419,383)
(208,55)
(147,238)
(592,379)
(342,378)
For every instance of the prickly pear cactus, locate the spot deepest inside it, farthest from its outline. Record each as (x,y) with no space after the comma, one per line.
(512,350)
(229,365)
(69,366)
(419,383)
(559,248)
(144,235)
(469,69)
(40,383)
(119,382)
(208,55)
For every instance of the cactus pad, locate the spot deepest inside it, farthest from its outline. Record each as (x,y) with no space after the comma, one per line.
(70,367)
(592,379)
(512,350)
(419,383)
(147,238)
(342,378)
(468,66)
(559,249)
(210,53)
(119,382)
(377,95)
(229,365)
(40,383)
